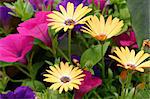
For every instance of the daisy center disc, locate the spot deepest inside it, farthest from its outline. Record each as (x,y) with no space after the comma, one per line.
(65,79)
(70,22)
(131,65)
(101,37)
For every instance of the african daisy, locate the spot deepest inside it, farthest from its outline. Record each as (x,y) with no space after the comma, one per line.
(64,77)
(69,17)
(100,30)
(129,60)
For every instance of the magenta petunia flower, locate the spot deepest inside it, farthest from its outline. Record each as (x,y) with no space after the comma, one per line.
(90,82)
(96,2)
(126,40)
(36,27)
(14,47)
(22,92)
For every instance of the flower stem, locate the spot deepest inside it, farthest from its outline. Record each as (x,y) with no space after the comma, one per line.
(22,70)
(103,63)
(69,45)
(62,53)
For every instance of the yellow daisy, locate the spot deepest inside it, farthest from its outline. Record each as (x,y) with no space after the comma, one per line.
(68,18)
(100,30)
(64,77)
(129,60)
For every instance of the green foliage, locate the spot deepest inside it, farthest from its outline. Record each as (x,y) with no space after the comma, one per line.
(93,55)
(34,84)
(139,10)
(121,10)
(50,94)
(22,9)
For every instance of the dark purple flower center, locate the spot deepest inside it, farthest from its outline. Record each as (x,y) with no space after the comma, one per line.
(65,79)
(69,22)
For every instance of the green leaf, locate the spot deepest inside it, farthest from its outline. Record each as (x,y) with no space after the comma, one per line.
(93,55)
(5,64)
(139,10)
(34,84)
(35,68)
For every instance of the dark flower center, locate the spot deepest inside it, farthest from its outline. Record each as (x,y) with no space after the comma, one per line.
(131,65)
(65,79)
(69,22)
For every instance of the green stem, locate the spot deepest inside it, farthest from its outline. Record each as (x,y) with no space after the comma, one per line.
(23,71)
(69,44)
(62,53)
(12,80)
(98,97)
(123,91)
(103,63)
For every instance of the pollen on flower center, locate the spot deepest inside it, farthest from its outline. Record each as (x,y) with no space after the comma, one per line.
(131,65)
(65,79)
(70,22)
(101,37)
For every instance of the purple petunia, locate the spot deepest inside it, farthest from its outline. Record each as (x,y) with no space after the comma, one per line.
(22,92)
(75,2)
(38,4)
(5,18)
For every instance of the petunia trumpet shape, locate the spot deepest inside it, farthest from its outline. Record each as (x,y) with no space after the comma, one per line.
(22,92)
(90,82)
(126,40)
(36,27)
(14,47)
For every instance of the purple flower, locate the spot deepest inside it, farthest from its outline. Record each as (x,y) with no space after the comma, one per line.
(38,4)
(5,18)
(75,2)
(126,40)
(36,27)
(90,82)
(14,47)
(22,92)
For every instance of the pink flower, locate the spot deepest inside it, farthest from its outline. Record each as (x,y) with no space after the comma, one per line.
(14,47)
(90,82)
(126,40)
(102,3)
(36,27)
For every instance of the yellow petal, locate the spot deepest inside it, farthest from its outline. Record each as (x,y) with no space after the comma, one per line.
(63,10)
(102,24)
(77,10)
(117,59)
(139,55)
(139,69)
(61,89)
(70,10)
(144,64)
(107,25)
(145,56)
(55,86)
(52,79)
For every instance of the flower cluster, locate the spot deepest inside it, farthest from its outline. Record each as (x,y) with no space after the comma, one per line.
(78,64)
